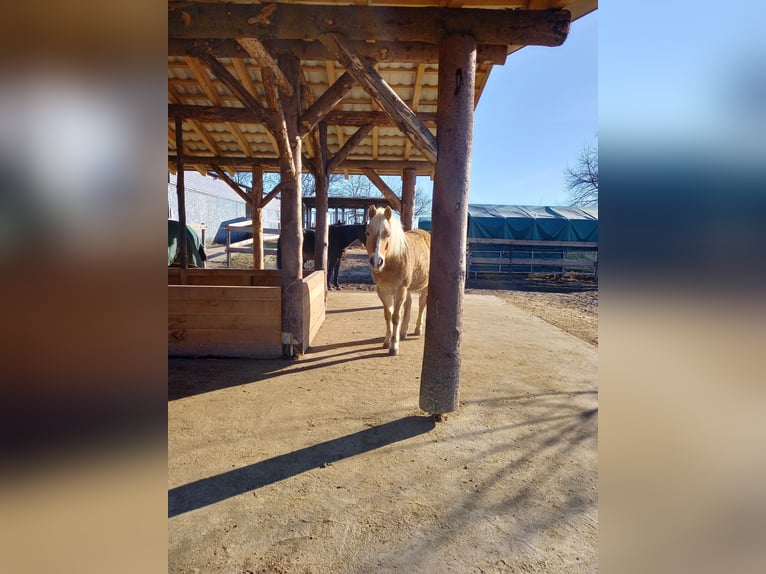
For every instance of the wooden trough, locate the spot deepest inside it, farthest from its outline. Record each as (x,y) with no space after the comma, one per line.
(236,312)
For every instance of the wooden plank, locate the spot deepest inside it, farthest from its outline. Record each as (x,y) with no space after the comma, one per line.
(360,23)
(250,343)
(313,305)
(208,307)
(380,51)
(255,277)
(383,94)
(222,293)
(249,318)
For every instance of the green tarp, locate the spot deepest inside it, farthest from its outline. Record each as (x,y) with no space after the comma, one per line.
(524,222)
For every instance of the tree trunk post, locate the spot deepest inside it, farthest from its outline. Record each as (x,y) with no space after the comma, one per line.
(181,192)
(291,216)
(257,199)
(322,190)
(409,176)
(440,376)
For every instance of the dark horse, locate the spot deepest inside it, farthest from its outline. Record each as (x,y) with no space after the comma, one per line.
(340,237)
(196,255)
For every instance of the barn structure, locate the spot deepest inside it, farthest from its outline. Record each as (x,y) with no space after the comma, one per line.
(358,87)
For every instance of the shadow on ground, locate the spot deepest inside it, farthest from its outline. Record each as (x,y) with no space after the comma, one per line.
(216,488)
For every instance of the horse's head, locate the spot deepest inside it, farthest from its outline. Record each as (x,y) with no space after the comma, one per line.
(382,236)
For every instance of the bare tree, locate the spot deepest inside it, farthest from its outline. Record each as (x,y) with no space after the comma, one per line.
(582,179)
(354,186)
(244,178)
(422,203)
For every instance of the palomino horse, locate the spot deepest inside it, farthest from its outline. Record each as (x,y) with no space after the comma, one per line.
(339,237)
(399,262)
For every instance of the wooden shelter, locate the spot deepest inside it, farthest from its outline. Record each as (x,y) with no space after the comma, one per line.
(373,87)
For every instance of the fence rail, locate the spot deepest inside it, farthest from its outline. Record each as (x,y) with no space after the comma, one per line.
(518,257)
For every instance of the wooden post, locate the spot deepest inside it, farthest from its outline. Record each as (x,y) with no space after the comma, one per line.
(440,376)
(409,175)
(180,191)
(290,212)
(257,198)
(322,189)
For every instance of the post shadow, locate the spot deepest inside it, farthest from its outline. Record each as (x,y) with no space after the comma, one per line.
(206,491)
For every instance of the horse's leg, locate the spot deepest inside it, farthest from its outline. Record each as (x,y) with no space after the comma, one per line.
(406,319)
(388,308)
(336,271)
(399,298)
(421,311)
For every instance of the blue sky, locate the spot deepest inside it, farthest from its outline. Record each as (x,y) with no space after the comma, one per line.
(534,117)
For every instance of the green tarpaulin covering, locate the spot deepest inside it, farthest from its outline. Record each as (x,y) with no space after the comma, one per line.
(524,222)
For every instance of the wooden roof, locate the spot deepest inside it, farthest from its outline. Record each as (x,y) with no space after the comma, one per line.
(210,45)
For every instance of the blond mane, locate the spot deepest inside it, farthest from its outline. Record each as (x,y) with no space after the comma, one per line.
(397,243)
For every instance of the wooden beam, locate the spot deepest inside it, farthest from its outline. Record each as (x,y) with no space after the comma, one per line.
(257,194)
(221,174)
(219,71)
(260,54)
(382,93)
(409,178)
(271,164)
(272,194)
(279,123)
(198,71)
(291,235)
(400,52)
(181,193)
(360,23)
(415,102)
(387,192)
(326,102)
(334,117)
(322,178)
(353,141)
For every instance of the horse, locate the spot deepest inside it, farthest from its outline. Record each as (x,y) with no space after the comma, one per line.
(400,264)
(339,238)
(196,255)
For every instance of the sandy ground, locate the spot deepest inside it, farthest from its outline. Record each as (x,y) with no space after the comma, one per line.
(328,465)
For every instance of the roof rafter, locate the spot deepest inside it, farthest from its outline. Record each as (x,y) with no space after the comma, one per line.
(382,93)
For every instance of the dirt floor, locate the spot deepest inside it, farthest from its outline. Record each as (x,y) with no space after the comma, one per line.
(328,465)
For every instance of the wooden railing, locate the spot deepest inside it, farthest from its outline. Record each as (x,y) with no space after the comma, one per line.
(270,235)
